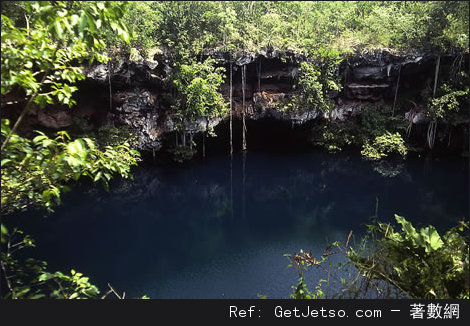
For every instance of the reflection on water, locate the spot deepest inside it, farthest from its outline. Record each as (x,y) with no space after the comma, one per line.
(219,229)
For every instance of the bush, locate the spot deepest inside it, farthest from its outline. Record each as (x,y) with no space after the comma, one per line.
(417,264)
(29,278)
(35,171)
(421,264)
(334,136)
(384,145)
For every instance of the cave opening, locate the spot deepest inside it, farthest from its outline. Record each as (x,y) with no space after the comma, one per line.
(263,135)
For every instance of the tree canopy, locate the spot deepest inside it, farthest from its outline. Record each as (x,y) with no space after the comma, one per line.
(186,28)
(43,46)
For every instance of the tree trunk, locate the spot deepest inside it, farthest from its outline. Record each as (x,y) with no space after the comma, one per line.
(29,104)
(27,107)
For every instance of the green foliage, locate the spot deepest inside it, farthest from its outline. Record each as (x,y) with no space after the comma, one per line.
(445,102)
(42,58)
(384,145)
(408,263)
(441,106)
(35,171)
(142,18)
(182,154)
(29,278)
(334,136)
(301,291)
(15,11)
(40,63)
(311,88)
(304,260)
(199,84)
(420,263)
(105,135)
(113,136)
(315,82)
(373,122)
(188,28)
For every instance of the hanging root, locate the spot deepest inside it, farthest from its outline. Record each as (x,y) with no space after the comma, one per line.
(431,136)
(411,117)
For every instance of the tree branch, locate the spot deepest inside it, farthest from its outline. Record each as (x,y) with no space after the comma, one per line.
(7,278)
(115,293)
(22,115)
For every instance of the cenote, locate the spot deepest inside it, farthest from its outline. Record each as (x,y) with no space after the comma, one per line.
(219,227)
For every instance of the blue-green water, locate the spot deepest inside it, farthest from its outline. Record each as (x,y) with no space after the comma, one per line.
(217,228)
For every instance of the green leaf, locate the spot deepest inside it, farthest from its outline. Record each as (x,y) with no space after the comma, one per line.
(45,277)
(58,29)
(3,234)
(4,230)
(36,296)
(432,240)
(5,161)
(97,176)
(74,295)
(23,291)
(408,229)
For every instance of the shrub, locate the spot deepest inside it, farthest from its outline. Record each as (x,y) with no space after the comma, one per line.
(384,145)
(420,263)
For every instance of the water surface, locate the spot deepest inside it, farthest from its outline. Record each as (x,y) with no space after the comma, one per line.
(218,228)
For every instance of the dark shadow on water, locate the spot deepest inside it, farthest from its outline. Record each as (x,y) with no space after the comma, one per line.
(216,228)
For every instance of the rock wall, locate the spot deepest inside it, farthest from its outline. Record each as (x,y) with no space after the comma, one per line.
(142,93)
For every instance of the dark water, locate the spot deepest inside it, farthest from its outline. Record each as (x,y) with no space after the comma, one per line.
(219,228)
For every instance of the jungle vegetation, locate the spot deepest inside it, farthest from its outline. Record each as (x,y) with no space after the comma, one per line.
(390,263)
(45,44)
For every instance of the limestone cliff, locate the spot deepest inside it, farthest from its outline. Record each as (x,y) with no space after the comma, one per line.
(141,90)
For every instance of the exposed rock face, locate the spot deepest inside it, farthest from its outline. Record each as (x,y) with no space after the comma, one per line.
(97,73)
(245,58)
(141,92)
(140,88)
(139,112)
(343,111)
(202,124)
(373,76)
(369,91)
(267,104)
(54,118)
(415,117)
(126,72)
